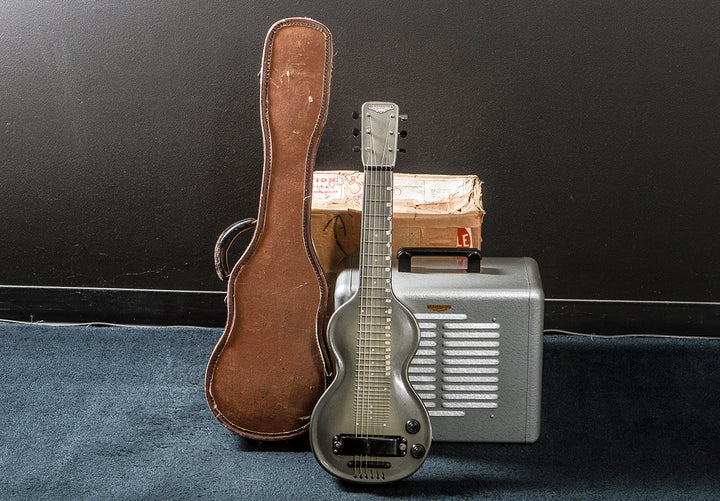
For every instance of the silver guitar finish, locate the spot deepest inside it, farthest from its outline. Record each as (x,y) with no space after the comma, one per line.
(369,425)
(335,413)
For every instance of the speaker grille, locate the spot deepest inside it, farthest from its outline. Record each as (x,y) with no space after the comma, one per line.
(456,367)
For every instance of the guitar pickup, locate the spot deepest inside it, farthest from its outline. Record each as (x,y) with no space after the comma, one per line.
(379,446)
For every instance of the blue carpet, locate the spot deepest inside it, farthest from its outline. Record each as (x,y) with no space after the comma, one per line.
(120,413)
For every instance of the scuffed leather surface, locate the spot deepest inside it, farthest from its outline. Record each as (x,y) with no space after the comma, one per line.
(270,365)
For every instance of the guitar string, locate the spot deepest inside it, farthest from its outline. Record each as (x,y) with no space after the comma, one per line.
(368,298)
(373,306)
(364,301)
(386,215)
(370,191)
(370,310)
(370,271)
(362,381)
(359,378)
(379,224)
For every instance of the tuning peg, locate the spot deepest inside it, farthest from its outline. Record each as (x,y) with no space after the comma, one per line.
(355,115)
(356,132)
(356,149)
(402,133)
(403,117)
(401,150)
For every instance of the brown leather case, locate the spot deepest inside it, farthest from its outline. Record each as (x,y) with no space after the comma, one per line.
(271,365)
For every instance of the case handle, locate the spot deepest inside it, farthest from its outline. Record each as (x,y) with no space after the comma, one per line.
(223,243)
(405,255)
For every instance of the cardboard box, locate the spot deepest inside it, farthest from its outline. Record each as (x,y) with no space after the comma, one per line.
(428,211)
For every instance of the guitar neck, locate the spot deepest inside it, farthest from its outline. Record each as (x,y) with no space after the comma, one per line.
(375,350)
(376,235)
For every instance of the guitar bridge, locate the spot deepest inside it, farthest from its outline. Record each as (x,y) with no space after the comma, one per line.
(371,465)
(379,446)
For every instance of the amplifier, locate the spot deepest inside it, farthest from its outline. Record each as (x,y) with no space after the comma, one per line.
(479,365)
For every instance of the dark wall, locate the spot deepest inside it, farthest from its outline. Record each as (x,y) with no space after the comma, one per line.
(130,132)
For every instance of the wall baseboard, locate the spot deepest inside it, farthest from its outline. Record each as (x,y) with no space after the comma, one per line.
(622,317)
(115,306)
(207,309)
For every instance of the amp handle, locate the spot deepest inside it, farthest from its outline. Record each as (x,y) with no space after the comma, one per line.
(473,255)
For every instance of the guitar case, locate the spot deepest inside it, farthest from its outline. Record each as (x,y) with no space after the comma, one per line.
(271,364)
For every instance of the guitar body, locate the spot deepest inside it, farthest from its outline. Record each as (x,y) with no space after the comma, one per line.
(335,414)
(370,426)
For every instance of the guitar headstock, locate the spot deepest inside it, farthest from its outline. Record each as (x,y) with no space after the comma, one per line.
(379,133)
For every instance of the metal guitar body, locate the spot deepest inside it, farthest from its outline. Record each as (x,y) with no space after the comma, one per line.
(370,431)
(369,425)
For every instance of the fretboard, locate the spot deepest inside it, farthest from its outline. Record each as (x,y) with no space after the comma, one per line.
(375,290)
(376,235)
